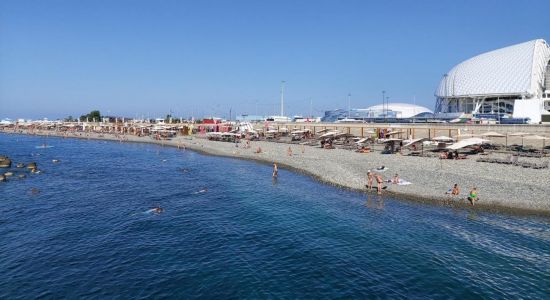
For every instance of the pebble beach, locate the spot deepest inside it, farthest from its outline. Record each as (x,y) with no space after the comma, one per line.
(502,188)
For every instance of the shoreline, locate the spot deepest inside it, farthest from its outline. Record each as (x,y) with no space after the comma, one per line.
(347,170)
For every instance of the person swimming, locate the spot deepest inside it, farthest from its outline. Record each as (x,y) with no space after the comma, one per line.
(203,190)
(155,210)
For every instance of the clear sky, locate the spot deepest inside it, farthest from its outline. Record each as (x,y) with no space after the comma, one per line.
(145,58)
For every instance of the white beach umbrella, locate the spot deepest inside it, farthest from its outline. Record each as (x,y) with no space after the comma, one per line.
(467,142)
(492,134)
(442,138)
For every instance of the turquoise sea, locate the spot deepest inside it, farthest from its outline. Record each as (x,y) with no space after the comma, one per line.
(82,229)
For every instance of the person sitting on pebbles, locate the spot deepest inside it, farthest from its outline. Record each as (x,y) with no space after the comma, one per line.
(455,191)
(395,179)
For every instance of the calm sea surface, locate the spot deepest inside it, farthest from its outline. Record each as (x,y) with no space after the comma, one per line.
(81,229)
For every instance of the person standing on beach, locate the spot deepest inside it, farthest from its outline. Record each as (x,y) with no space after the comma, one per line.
(289,151)
(472,197)
(275,170)
(379,181)
(370,179)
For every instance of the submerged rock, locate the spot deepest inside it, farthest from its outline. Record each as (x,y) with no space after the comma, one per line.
(5,163)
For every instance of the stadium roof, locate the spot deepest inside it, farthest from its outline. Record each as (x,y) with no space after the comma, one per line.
(407,110)
(514,70)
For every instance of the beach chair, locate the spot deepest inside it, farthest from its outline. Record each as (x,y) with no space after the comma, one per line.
(526,164)
(543,165)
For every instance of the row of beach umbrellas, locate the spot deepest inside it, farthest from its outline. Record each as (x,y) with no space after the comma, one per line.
(523,135)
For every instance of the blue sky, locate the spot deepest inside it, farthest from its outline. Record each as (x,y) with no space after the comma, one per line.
(145,58)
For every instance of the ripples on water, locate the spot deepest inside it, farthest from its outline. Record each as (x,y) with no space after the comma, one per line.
(87,233)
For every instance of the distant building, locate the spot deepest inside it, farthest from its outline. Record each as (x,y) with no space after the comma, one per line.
(509,82)
(250,118)
(380,111)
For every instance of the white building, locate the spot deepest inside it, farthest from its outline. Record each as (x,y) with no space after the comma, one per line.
(397,110)
(513,81)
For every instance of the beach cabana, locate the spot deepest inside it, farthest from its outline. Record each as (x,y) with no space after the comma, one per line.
(521,134)
(538,138)
(495,134)
(390,144)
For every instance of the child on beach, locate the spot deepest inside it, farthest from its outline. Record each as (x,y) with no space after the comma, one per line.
(370,178)
(473,196)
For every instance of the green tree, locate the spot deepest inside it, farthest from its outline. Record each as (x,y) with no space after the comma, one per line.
(94,115)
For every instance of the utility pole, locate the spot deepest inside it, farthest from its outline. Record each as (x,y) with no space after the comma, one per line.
(414,109)
(310,107)
(384,103)
(282,98)
(349,105)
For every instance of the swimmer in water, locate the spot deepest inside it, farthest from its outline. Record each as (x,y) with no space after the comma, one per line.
(275,170)
(203,190)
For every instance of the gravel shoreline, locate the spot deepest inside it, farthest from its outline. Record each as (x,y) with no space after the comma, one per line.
(502,188)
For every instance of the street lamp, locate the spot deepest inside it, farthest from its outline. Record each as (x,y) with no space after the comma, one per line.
(387,106)
(349,105)
(383,103)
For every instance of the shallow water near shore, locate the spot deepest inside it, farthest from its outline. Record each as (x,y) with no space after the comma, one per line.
(82,228)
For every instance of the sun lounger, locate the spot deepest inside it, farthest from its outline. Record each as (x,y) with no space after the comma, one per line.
(543,165)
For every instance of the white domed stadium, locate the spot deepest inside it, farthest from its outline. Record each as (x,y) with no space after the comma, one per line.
(512,82)
(399,110)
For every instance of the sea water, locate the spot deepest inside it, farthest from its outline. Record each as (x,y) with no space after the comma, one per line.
(83,228)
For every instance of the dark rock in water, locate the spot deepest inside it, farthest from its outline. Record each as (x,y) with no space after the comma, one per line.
(35,191)
(31,165)
(8,174)
(21,176)
(5,163)
(2,178)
